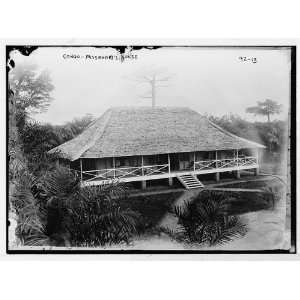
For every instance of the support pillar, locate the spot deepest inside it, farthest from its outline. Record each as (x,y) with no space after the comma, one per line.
(217,176)
(256,171)
(238,174)
(144,184)
(114,166)
(81,169)
(170,181)
(194,161)
(143,165)
(169,164)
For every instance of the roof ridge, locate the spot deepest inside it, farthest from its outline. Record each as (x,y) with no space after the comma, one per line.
(108,117)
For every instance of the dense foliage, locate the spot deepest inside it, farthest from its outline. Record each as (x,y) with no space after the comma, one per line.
(50,205)
(271,134)
(37,139)
(32,90)
(206,221)
(89,216)
(54,210)
(30,207)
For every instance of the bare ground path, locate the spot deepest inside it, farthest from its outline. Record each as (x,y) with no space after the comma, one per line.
(169,220)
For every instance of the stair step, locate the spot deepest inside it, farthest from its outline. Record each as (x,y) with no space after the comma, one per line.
(190,181)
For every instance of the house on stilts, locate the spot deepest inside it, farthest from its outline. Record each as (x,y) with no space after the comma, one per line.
(143,143)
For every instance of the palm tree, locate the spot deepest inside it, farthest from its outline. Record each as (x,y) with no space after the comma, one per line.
(31,225)
(55,210)
(206,221)
(89,216)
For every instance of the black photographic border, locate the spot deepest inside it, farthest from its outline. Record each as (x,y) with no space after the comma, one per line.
(27,49)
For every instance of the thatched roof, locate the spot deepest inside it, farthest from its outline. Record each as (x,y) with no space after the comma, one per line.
(130,131)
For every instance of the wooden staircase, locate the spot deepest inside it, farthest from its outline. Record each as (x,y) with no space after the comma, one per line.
(190,181)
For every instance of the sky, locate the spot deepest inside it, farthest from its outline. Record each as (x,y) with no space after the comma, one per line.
(213,81)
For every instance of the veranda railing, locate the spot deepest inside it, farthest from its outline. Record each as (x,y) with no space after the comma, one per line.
(122,172)
(225,163)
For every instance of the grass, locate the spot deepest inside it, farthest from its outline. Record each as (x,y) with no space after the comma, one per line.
(245,202)
(153,208)
(252,201)
(259,184)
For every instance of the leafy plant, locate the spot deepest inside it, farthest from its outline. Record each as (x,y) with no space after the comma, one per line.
(205,221)
(96,219)
(88,216)
(31,227)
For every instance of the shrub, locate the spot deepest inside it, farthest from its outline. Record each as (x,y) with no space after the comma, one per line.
(205,221)
(88,216)
(31,225)
(55,210)
(96,219)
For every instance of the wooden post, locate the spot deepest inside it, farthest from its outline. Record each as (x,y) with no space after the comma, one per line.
(194,161)
(81,169)
(256,171)
(216,159)
(237,173)
(169,165)
(114,166)
(142,165)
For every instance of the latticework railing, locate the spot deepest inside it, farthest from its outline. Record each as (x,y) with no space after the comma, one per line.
(124,172)
(225,163)
(105,174)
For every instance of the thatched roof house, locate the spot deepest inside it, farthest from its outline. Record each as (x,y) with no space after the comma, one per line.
(142,132)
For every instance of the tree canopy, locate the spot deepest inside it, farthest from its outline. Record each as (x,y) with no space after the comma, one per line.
(265,108)
(32,88)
